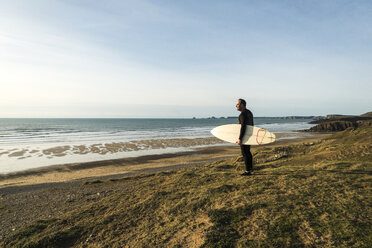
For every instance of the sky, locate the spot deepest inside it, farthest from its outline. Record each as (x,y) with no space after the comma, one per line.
(181,59)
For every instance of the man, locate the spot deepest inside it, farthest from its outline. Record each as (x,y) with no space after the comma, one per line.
(245,118)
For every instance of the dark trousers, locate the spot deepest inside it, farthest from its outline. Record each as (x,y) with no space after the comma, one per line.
(247,156)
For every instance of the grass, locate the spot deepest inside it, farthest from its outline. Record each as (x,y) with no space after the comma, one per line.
(303,195)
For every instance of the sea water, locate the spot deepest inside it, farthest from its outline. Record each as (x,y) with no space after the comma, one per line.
(31,143)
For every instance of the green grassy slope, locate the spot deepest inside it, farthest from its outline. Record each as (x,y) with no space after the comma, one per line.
(304,195)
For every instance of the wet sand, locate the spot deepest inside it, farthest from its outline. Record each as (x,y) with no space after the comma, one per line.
(105,148)
(75,173)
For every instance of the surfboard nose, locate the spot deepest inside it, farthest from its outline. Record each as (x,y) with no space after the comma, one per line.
(213,131)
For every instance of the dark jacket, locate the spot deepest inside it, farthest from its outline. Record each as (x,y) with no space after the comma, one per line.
(245,118)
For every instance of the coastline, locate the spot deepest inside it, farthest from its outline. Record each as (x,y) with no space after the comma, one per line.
(76,173)
(51,193)
(32,143)
(28,157)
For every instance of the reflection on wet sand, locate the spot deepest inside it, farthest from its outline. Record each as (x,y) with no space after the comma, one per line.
(136,145)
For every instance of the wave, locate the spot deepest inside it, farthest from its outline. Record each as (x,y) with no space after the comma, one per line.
(91,131)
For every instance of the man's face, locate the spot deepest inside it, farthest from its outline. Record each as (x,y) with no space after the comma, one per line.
(239,106)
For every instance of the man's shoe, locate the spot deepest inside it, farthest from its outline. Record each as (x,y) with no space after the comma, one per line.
(246,173)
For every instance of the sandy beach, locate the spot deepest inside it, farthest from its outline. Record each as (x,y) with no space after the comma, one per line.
(115,168)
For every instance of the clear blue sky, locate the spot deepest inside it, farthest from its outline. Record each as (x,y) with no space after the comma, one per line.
(158,58)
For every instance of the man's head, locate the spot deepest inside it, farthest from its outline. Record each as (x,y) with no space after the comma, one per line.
(241,104)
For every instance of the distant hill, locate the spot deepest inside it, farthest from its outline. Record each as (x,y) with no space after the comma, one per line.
(369,114)
(340,122)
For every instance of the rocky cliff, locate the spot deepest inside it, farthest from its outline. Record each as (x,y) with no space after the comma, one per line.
(340,123)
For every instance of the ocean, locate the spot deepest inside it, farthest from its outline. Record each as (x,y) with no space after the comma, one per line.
(32,143)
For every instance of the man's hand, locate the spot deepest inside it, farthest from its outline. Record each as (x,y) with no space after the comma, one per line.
(239,142)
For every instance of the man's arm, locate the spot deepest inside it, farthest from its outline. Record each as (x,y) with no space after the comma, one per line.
(244,122)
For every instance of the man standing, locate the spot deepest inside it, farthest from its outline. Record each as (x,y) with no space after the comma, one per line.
(245,118)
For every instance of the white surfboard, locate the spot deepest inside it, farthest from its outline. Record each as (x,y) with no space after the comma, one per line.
(253,135)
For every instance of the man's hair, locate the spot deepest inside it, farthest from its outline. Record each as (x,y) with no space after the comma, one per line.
(242,101)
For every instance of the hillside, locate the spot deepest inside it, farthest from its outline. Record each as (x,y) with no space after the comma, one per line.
(310,194)
(369,114)
(340,123)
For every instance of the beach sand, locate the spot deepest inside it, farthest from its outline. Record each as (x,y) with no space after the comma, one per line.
(100,170)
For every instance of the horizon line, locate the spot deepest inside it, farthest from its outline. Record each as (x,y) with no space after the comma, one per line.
(209,117)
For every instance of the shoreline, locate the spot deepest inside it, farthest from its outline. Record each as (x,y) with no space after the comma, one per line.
(16,159)
(76,173)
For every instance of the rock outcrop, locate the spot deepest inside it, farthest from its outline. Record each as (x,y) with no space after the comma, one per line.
(333,126)
(340,123)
